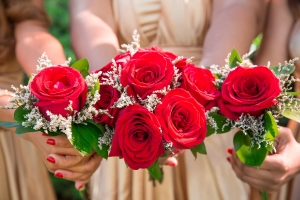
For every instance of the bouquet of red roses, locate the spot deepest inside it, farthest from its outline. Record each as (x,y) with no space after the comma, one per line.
(59,100)
(252,99)
(154,101)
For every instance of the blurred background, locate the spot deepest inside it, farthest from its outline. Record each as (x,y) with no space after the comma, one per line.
(59,14)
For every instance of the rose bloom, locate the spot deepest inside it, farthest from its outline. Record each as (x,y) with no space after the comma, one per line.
(55,87)
(137,137)
(248,90)
(109,96)
(200,83)
(182,119)
(148,70)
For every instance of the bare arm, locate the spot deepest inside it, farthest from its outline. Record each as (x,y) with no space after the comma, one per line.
(276,34)
(93,31)
(234,25)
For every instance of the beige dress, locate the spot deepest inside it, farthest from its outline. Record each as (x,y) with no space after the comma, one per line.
(23,175)
(178,26)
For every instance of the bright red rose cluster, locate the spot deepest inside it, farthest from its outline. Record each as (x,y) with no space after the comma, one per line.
(179,118)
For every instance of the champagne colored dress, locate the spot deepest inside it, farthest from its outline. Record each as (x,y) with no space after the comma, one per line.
(23,175)
(178,26)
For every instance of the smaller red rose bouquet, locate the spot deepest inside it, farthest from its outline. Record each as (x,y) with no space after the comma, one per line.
(253,99)
(152,102)
(59,100)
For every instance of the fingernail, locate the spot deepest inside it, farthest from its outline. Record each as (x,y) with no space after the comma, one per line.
(79,187)
(44,134)
(51,141)
(51,159)
(229,150)
(59,175)
(171,164)
(228,159)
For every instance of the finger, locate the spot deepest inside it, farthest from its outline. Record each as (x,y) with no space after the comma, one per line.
(59,141)
(80,185)
(170,161)
(56,161)
(80,172)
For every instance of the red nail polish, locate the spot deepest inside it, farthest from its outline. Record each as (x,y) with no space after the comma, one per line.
(171,164)
(59,175)
(44,134)
(51,141)
(79,187)
(228,159)
(51,159)
(229,150)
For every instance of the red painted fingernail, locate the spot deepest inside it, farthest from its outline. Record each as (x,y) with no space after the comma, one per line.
(228,159)
(51,141)
(176,151)
(44,134)
(229,150)
(171,164)
(79,187)
(59,175)
(51,159)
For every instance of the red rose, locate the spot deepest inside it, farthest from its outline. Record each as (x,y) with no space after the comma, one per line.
(148,70)
(109,96)
(55,87)
(248,90)
(137,137)
(200,83)
(182,119)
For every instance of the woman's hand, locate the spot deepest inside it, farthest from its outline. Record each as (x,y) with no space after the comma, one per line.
(62,159)
(277,169)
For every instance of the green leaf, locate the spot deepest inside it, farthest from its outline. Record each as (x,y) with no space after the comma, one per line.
(20,113)
(278,70)
(293,93)
(200,148)
(220,121)
(21,129)
(294,115)
(82,66)
(270,125)
(9,124)
(91,134)
(155,171)
(249,155)
(79,142)
(96,87)
(234,58)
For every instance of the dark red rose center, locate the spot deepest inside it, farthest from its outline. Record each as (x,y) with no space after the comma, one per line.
(250,87)
(146,75)
(180,119)
(140,136)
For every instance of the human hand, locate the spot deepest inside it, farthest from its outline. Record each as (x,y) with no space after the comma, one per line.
(277,169)
(170,159)
(62,159)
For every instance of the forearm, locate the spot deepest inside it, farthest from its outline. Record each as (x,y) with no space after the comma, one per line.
(276,34)
(91,35)
(32,40)
(234,26)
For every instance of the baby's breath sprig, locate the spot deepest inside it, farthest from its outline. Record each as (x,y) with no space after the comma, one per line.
(134,46)
(254,128)
(106,139)
(43,62)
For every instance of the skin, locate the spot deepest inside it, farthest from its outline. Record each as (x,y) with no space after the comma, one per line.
(278,168)
(32,39)
(96,38)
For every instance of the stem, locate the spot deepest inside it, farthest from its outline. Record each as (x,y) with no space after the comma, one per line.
(264,195)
